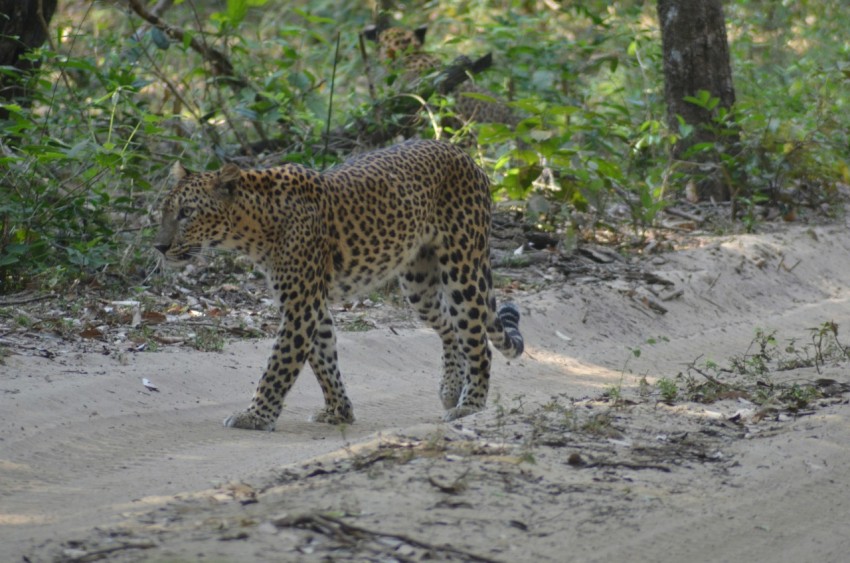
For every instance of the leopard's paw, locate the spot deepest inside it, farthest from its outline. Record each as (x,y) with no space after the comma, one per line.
(249,420)
(449,397)
(333,416)
(459,412)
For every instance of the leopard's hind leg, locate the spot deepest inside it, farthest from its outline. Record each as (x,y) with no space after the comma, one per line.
(464,277)
(421,285)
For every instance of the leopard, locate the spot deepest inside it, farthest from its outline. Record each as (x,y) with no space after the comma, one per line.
(418,212)
(402,52)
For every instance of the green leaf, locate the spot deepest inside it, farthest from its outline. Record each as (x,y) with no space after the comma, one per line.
(307,16)
(300,80)
(159,38)
(518,182)
(494,133)
(236,11)
(562,110)
(526,105)
(703,99)
(606,168)
(12,253)
(699,147)
(479,96)
(12,108)
(541,134)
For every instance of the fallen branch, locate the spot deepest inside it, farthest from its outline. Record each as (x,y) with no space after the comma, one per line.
(459,71)
(25,300)
(711,379)
(684,215)
(331,526)
(106,552)
(628,465)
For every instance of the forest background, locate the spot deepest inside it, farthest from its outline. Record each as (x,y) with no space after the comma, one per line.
(114,101)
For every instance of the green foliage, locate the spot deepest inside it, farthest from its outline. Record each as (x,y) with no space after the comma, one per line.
(83,161)
(68,198)
(668,389)
(208,340)
(236,11)
(611,148)
(752,375)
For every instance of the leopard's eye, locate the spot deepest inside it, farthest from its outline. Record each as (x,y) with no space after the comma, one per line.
(182,213)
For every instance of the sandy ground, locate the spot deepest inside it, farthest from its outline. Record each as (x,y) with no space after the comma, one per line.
(93,466)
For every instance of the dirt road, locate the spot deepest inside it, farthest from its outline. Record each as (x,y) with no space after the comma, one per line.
(83,444)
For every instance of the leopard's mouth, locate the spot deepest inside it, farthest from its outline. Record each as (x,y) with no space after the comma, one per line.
(183,257)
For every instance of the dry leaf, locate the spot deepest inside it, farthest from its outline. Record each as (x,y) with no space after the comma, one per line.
(91,332)
(153,317)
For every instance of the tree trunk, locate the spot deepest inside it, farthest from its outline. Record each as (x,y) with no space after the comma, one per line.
(696,58)
(23,27)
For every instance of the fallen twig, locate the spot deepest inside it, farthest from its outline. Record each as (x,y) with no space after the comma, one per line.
(628,465)
(684,215)
(24,301)
(710,378)
(103,553)
(330,525)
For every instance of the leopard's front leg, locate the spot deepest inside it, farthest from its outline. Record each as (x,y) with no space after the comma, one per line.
(293,347)
(323,360)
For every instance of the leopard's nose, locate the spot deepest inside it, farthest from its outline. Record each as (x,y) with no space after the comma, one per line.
(162,247)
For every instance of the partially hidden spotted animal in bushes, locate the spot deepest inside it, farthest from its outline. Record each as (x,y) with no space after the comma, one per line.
(401,51)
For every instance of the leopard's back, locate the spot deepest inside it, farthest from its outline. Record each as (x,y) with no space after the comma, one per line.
(383,206)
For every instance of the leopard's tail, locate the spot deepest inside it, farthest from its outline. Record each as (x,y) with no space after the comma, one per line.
(504,331)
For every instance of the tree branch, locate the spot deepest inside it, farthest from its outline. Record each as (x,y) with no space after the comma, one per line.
(220,64)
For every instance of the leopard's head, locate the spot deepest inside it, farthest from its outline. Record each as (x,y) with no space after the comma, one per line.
(396,42)
(195,213)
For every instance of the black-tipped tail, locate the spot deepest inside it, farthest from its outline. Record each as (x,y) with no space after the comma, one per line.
(513,343)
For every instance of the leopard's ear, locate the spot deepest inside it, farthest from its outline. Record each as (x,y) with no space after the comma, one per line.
(227,181)
(229,172)
(420,33)
(178,172)
(370,32)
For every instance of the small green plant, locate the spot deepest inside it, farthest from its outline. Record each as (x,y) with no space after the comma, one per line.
(518,404)
(750,375)
(527,456)
(600,424)
(798,396)
(757,364)
(208,340)
(826,344)
(614,393)
(566,414)
(668,389)
(644,389)
(359,324)
(144,336)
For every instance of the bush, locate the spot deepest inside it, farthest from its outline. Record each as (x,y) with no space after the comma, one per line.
(118,100)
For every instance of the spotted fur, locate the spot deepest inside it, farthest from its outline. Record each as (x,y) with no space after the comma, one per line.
(418,211)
